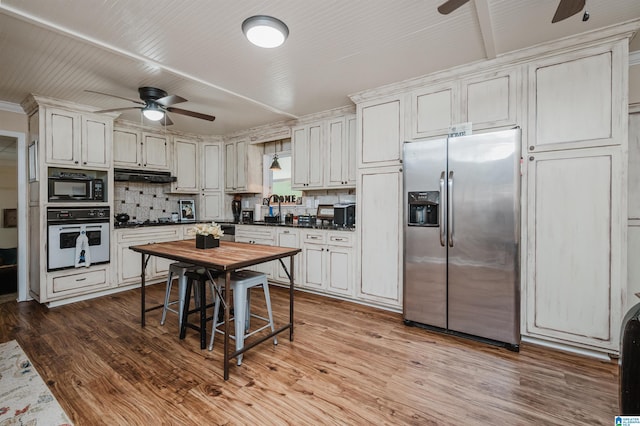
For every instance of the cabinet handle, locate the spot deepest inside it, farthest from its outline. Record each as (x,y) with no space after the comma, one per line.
(81,279)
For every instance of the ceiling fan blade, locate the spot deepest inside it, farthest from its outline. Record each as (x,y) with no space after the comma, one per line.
(115,96)
(170,100)
(166,121)
(450,5)
(118,109)
(191,114)
(567,8)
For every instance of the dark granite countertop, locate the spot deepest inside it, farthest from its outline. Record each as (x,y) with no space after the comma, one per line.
(278,225)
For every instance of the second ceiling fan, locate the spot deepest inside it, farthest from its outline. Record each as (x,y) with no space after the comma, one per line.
(566,8)
(155,103)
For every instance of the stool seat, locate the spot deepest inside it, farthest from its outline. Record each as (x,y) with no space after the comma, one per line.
(241,283)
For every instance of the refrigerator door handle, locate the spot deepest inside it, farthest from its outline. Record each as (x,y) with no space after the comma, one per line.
(450,208)
(440,210)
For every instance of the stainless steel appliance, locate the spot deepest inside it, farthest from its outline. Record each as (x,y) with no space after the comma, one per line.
(65,225)
(344,214)
(247,216)
(461,235)
(146,176)
(75,186)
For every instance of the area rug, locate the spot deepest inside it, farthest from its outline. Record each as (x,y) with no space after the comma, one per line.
(24,397)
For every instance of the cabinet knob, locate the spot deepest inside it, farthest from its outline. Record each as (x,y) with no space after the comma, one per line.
(532,148)
(532,158)
(75,162)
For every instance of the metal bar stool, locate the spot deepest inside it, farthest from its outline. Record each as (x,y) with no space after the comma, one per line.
(201,276)
(177,270)
(241,284)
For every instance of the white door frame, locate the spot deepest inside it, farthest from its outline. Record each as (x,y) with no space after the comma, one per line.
(23,217)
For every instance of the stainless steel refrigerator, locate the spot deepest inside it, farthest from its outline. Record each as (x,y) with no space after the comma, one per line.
(462,234)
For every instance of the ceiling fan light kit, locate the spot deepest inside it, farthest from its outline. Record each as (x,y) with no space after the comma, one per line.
(265,31)
(153,112)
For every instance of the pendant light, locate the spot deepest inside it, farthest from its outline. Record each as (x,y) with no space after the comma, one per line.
(274,164)
(265,31)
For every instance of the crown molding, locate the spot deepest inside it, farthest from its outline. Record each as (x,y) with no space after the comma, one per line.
(8,106)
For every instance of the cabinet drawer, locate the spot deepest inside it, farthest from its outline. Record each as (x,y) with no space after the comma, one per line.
(341,239)
(255,233)
(150,235)
(75,280)
(314,237)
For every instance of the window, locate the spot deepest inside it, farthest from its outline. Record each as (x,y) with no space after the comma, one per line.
(279,181)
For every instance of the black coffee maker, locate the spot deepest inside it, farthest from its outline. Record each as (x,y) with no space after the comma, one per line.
(236,208)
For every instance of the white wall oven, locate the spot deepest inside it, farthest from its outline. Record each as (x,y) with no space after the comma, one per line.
(77,237)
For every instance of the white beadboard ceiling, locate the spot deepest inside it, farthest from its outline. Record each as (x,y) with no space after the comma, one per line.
(196,49)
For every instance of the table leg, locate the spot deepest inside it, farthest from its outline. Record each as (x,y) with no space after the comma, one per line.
(291,275)
(143,266)
(227,303)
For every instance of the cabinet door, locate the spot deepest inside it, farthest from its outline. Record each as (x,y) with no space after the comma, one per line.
(314,266)
(63,138)
(315,149)
(574,246)
(337,153)
(155,152)
(434,109)
(490,100)
(230,166)
(210,167)
(211,206)
(590,79)
(127,145)
(349,160)
(96,142)
(288,238)
(381,133)
(300,158)
(129,264)
(241,165)
(339,272)
(380,234)
(186,165)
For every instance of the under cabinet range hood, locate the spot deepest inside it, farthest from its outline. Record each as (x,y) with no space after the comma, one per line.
(131,175)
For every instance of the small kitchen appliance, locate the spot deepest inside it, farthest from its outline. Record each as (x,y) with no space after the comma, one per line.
(344,214)
(247,216)
(75,186)
(236,208)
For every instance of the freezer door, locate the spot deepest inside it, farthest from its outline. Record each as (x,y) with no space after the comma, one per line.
(425,261)
(484,231)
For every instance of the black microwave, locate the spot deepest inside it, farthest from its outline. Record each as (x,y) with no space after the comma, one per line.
(68,187)
(344,214)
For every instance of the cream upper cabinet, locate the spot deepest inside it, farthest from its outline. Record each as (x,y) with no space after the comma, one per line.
(491,100)
(381,125)
(341,144)
(243,167)
(434,109)
(574,284)
(307,147)
(576,99)
(75,139)
(486,100)
(210,174)
(141,150)
(185,165)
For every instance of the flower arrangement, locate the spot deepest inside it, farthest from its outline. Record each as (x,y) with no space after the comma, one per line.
(209,229)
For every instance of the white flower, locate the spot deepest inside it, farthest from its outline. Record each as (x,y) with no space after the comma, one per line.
(208,229)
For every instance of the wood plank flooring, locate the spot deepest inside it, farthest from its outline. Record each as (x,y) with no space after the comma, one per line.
(348,365)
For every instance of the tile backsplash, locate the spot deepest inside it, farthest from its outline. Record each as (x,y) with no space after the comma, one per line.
(144,201)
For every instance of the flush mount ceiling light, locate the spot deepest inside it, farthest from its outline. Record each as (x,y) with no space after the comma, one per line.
(275,165)
(153,112)
(265,31)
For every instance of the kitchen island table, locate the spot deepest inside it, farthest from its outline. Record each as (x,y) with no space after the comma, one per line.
(228,257)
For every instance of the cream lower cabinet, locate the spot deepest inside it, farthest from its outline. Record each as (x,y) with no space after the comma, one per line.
(288,237)
(379,230)
(75,282)
(128,262)
(575,277)
(328,261)
(258,235)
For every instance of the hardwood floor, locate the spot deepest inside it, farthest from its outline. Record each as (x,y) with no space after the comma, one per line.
(348,364)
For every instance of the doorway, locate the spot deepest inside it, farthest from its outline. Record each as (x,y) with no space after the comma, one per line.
(13,211)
